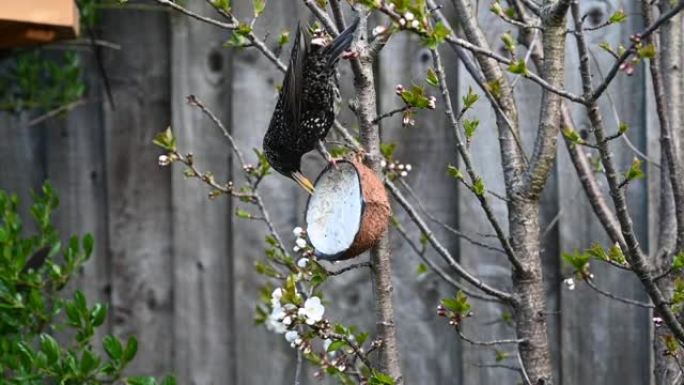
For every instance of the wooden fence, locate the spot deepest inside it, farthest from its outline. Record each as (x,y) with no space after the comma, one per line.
(177,268)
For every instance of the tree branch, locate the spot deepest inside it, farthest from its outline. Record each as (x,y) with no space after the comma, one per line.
(633,252)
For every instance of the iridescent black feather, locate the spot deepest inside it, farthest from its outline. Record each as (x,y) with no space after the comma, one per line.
(304,112)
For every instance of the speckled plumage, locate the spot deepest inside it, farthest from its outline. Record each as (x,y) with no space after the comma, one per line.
(304,112)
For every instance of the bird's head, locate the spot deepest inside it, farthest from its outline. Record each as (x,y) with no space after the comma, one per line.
(290,167)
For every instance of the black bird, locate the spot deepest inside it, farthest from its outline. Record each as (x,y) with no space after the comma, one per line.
(305,110)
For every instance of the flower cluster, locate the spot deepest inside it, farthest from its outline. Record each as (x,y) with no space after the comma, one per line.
(569,283)
(285,316)
(166,160)
(396,168)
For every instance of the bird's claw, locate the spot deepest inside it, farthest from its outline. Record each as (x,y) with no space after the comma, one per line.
(349,55)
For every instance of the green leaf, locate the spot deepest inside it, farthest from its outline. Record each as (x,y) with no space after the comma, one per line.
(615,254)
(113,347)
(579,261)
(678,261)
(283,38)
(165,140)
(470,126)
(455,172)
(432,78)
(222,4)
(259,6)
(597,251)
(240,213)
(387,150)
(141,380)
(89,361)
(380,379)
(169,380)
(623,127)
(336,345)
(98,315)
(88,244)
(518,67)
(618,16)
(436,36)
(634,171)
(479,187)
(421,269)
(470,99)
(130,350)
(509,42)
(50,348)
(648,51)
(458,304)
(572,135)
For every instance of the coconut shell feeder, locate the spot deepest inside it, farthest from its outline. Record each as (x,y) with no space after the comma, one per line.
(30,22)
(348,212)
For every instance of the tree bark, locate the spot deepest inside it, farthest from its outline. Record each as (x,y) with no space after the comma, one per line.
(364,83)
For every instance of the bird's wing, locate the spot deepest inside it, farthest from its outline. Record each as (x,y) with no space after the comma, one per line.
(341,43)
(294,80)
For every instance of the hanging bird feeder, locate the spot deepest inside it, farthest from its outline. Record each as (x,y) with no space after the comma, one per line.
(30,22)
(348,212)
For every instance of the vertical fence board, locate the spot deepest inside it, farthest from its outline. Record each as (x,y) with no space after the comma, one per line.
(429,148)
(202,261)
(490,266)
(264,358)
(139,196)
(595,327)
(74,152)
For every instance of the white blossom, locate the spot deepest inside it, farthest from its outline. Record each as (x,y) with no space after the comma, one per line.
(287,321)
(402,22)
(380,29)
(301,242)
(298,231)
(274,322)
(276,295)
(164,160)
(296,249)
(302,262)
(403,173)
(400,166)
(383,163)
(291,336)
(326,344)
(415,24)
(570,283)
(408,167)
(409,16)
(312,310)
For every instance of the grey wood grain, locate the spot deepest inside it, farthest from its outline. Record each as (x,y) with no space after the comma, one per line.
(263,357)
(488,322)
(139,195)
(429,148)
(202,259)
(75,165)
(596,329)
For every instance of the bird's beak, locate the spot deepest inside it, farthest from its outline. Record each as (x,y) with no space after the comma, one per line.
(303,181)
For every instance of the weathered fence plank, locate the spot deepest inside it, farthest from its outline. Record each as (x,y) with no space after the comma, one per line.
(595,327)
(264,358)
(139,194)
(202,258)
(428,148)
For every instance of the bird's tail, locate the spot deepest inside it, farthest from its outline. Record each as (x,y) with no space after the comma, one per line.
(341,43)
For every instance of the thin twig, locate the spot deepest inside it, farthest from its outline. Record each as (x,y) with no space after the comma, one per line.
(441,250)
(438,270)
(57,111)
(591,284)
(471,341)
(465,155)
(593,96)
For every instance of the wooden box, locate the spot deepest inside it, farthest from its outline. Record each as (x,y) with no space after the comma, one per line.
(29,22)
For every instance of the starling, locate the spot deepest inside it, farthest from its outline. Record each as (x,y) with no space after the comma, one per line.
(305,108)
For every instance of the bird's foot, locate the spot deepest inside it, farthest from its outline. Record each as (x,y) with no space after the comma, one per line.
(350,54)
(328,158)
